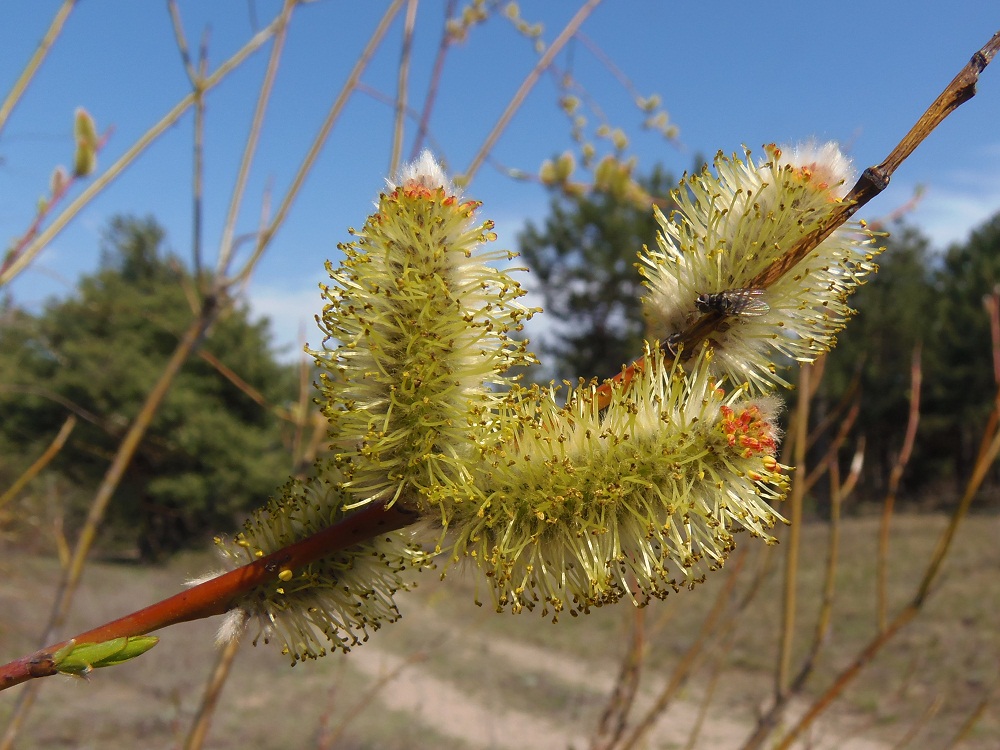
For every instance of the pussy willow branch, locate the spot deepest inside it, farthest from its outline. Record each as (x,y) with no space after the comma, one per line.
(217,595)
(872,182)
(57,196)
(220,594)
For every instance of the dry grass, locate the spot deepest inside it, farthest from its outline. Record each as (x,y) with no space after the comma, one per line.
(487,680)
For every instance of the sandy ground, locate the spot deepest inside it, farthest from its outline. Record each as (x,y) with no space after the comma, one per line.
(489,724)
(463,678)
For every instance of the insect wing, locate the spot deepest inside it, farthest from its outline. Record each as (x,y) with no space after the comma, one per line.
(734,302)
(746,302)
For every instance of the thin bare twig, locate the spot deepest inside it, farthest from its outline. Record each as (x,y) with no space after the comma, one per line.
(895,476)
(32,66)
(719,663)
(848,402)
(402,86)
(227,244)
(830,457)
(829,582)
(529,82)
(300,416)
(206,708)
(380,96)
(613,720)
(74,408)
(267,234)
(794,538)
(196,76)
(198,164)
(929,712)
(857,463)
(425,114)
(41,462)
(972,719)
(181,41)
(330,740)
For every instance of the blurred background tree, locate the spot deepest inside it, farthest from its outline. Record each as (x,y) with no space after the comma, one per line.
(961,385)
(871,363)
(582,260)
(212,453)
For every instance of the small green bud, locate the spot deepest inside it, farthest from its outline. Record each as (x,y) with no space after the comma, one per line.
(135,645)
(85,132)
(84,160)
(80,658)
(84,128)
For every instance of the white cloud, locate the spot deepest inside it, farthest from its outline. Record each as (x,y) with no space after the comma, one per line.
(292,307)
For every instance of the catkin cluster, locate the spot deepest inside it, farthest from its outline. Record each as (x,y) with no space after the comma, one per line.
(628,489)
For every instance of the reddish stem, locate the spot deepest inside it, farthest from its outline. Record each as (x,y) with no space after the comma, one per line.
(222,593)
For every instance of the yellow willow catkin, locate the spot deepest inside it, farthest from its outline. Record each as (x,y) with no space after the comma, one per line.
(728,228)
(584,506)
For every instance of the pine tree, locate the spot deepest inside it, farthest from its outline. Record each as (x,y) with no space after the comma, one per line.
(211,452)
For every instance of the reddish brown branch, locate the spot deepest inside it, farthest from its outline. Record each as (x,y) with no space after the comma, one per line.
(222,593)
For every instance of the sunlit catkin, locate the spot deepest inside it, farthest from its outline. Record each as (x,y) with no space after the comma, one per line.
(728,228)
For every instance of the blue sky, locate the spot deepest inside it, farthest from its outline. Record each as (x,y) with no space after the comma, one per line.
(729,73)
